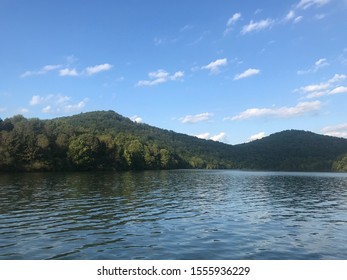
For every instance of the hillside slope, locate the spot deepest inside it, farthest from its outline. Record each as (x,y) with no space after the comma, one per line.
(291,150)
(105,140)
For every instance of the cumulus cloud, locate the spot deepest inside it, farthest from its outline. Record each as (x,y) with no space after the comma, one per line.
(339,130)
(220,137)
(196,118)
(231,22)
(320,63)
(44,70)
(330,87)
(68,72)
(205,135)
(257,26)
(160,76)
(89,71)
(248,73)
(177,75)
(35,100)
(75,107)
(92,70)
(57,103)
(136,119)
(282,112)
(257,136)
(215,65)
(47,109)
(305,4)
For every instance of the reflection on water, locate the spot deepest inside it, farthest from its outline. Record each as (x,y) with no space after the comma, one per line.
(184,214)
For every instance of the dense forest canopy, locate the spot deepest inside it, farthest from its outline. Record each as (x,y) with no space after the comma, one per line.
(105,140)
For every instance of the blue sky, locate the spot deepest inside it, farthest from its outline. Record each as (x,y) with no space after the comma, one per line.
(231,71)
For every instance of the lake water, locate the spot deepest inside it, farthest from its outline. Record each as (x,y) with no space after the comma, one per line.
(180,214)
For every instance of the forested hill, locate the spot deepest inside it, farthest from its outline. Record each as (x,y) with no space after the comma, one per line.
(105,140)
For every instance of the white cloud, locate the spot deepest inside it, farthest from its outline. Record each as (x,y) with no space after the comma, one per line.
(326,88)
(339,130)
(3,109)
(231,22)
(75,107)
(38,100)
(28,74)
(248,73)
(337,90)
(35,100)
(257,26)
(56,103)
(45,69)
(177,75)
(160,76)
(62,99)
(205,136)
(257,136)
(97,69)
(68,72)
(235,17)
(215,65)
(282,112)
(298,19)
(337,78)
(220,137)
(317,94)
(47,109)
(196,118)
(320,63)
(290,15)
(136,119)
(305,4)
(315,87)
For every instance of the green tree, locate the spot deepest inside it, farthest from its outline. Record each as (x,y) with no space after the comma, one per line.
(340,164)
(134,155)
(83,152)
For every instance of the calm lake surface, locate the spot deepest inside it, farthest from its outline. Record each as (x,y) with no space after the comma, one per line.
(181,214)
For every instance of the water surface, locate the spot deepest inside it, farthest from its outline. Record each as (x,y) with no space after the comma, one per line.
(182,214)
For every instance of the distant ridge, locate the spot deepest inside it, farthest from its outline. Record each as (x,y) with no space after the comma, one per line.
(105,140)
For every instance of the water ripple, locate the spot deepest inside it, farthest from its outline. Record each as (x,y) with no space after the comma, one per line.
(180,214)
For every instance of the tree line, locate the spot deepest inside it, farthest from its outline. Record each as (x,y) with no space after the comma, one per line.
(32,144)
(105,140)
